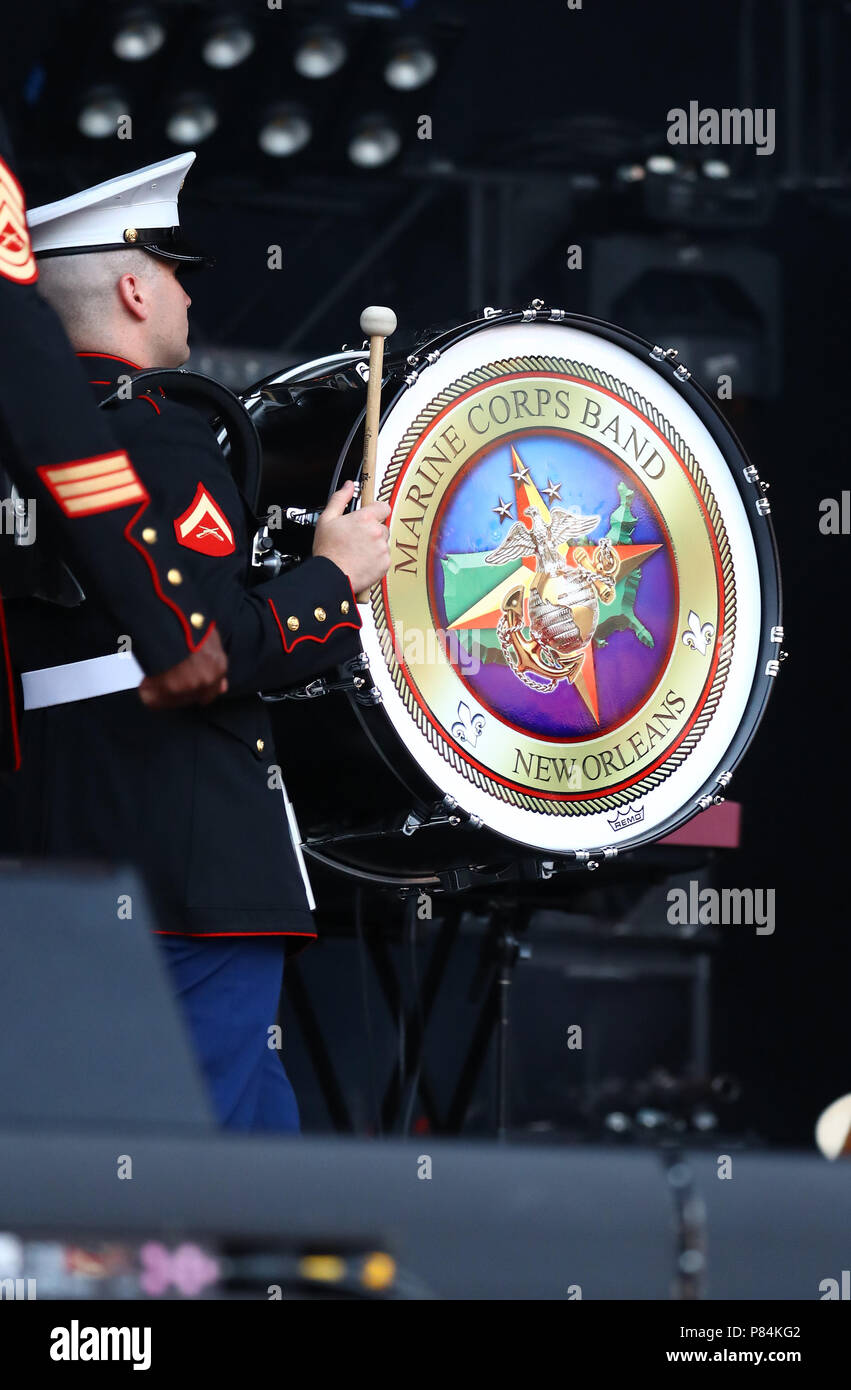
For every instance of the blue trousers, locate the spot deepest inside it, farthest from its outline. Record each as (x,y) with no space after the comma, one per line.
(229,990)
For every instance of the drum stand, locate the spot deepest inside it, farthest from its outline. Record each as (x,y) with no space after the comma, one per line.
(500,951)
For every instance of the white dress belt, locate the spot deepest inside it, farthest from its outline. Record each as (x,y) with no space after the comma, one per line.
(81,680)
(104,675)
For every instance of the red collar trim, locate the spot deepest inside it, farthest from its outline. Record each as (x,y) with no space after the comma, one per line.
(112,357)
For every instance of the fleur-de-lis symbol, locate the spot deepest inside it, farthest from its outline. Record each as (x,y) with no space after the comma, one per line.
(468,725)
(698,635)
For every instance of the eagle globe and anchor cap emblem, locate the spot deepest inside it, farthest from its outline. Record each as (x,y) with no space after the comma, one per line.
(577,658)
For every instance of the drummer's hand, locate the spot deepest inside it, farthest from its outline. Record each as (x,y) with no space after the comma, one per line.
(195,681)
(356,541)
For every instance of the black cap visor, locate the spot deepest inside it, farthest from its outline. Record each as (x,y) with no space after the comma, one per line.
(165,242)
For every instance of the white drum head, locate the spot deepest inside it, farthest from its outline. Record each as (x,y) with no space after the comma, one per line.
(568,636)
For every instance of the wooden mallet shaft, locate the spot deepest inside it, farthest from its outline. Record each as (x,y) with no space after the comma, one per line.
(377,323)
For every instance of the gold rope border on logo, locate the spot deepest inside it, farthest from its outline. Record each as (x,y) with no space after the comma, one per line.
(528,801)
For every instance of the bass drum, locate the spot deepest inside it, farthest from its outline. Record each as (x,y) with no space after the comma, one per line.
(580,626)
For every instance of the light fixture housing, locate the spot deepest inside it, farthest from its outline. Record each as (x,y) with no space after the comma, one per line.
(138,35)
(715,169)
(373,142)
(227,43)
(100,113)
(285,131)
(319,53)
(193,118)
(661,164)
(410,65)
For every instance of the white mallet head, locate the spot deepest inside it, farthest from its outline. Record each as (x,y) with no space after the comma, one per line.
(378,321)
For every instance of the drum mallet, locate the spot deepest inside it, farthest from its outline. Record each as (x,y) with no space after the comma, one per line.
(377,323)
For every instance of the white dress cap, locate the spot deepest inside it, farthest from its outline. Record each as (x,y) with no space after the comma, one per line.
(133,210)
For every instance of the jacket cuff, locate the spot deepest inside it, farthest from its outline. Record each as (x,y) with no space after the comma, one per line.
(323,603)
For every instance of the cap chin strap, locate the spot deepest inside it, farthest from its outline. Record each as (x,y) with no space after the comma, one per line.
(154,240)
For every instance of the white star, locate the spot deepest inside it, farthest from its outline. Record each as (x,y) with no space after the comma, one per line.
(552,491)
(503,511)
(522,475)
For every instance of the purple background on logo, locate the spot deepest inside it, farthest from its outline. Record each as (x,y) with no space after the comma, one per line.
(626,669)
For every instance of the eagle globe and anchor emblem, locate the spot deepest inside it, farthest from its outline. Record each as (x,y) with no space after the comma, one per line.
(561,593)
(563,601)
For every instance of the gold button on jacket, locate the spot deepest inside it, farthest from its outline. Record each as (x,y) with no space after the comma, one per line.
(292,624)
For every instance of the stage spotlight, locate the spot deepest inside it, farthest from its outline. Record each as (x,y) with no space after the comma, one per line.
(228,43)
(373,143)
(285,131)
(409,66)
(140,34)
(191,120)
(661,164)
(320,53)
(631,173)
(100,113)
(716,169)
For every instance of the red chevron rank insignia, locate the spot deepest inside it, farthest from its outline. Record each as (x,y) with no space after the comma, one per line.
(204,527)
(16,258)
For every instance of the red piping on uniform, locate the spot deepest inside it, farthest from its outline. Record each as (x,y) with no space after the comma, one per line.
(13,709)
(152,401)
(306,636)
(152,567)
(113,357)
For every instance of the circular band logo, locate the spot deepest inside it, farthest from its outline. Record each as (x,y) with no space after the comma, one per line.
(559,613)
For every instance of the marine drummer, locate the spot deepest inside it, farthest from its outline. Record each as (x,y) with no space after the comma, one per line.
(192,798)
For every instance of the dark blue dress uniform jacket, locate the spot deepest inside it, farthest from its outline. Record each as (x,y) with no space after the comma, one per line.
(48,420)
(191,797)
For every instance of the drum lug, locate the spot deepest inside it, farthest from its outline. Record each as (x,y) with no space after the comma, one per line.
(491,313)
(412,824)
(713,799)
(772,667)
(454,816)
(670,355)
(355,681)
(592,859)
(301,517)
(538,310)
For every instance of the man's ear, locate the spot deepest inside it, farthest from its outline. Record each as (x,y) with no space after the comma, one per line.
(133,295)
